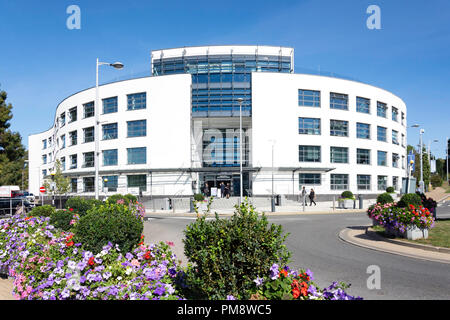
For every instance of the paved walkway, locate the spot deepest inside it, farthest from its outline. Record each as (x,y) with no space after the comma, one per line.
(438,194)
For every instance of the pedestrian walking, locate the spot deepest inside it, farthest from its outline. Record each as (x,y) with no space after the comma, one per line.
(206,189)
(227,191)
(312,196)
(222,190)
(303,195)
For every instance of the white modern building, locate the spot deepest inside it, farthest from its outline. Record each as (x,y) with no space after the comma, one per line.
(170,133)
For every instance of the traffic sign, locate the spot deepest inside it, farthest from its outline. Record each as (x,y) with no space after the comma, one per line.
(42,189)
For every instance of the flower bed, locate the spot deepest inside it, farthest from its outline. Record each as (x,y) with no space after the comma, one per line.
(48,264)
(398,220)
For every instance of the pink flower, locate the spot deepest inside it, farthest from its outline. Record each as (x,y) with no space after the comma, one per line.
(135,263)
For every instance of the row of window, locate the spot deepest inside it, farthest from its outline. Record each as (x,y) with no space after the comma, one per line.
(109,158)
(340,155)
(311,98)
(341,181)
(136,128)
(111,183)
(135,101)
(340,128)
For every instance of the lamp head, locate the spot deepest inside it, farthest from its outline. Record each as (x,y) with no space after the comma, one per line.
(117,65)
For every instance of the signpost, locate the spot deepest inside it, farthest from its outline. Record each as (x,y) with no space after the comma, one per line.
(42,190)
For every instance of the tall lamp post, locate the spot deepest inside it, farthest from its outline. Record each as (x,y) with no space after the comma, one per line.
(429,151)
(410,164)
(421,183)
(116,65)
(240,148)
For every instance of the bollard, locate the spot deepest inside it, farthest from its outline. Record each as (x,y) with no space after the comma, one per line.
(191,204)
(360,201)
(272,201)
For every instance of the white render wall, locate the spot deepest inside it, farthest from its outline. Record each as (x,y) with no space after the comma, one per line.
(168,113)
(275,116)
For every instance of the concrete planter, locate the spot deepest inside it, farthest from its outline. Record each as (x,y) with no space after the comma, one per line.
(411,233)
(345,204)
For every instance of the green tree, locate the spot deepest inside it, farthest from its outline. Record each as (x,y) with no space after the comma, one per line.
(426,167)
(12,152)
(59,181)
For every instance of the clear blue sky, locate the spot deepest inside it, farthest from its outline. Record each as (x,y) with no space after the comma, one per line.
(42,62)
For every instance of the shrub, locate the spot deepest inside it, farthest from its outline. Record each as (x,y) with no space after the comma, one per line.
(228,254)
(347,195)
(436,180)
(81,206)
(42,211)
(199,197)
(126,198)
(390,190)
(410,198)
(384,198)
(63,219)
(113,223)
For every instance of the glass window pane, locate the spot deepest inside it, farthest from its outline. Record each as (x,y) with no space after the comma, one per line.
(137,101)
(110,105)
(137,128)
(339,128)
(137,155)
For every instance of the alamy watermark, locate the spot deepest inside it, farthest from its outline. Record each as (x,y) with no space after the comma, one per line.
(74,20)
(374,280)
(374,20)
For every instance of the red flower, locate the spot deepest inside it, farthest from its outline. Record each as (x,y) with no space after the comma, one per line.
(91,261)
(284,273)
(295,292)
(147,255)
(69,244)
(70,209)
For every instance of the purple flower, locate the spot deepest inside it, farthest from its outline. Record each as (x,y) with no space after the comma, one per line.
(274,271)
(259,281)
(230,297)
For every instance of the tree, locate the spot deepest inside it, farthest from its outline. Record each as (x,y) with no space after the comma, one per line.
(12,152)
(426,167)
(61,183)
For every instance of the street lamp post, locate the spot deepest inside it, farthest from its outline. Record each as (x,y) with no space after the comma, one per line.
(421,183)
(116,65)
(240,149)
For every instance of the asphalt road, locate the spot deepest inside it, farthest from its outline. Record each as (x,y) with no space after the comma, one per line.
(314,243)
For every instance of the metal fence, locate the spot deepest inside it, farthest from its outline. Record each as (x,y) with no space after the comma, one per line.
(11,206)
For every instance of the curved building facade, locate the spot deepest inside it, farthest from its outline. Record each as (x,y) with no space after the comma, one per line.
(170,133)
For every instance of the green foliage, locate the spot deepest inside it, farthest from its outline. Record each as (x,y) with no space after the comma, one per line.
(61,219)
(12,152)
(385,198)
(228,254)
(126,198)
(113,223)
(436,180)
(42,211)
(199,197)
(410,198)
(81,206)
(347,195)
(390,190)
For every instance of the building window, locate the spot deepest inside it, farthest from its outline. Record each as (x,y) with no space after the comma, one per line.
(50,141)
(363,182)
(137,128)
(62,118)
(339,128)
(395,137)
(308,98)
(109,131)
(381,134)
(362,130)
(338,155)
(309,179)
(88,160)
(137,181)
(394,114)
(109,105)
(63,141)
(88,134)
(403,118)
(363,105)
(73,161)
(395,160)
(74,185)
(363,156)
(382,158)
(403,162)
(44,173)
(44,159)
(88,184)
(382,183)
(338,101)
(110,183)
(381,109)
(88,109)
(308,126)
(137,155)
(395,183)
(309,153)
(73,114)
(63,163)
(110,157)
(137,101)
(73,138)
(44,144)
(403,140)
(339,181)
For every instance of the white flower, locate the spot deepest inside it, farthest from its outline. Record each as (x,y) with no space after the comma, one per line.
(128,271)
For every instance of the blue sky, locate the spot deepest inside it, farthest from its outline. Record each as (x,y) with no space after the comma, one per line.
(42,62)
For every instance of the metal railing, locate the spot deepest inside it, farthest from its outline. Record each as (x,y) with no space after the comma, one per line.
(10,206)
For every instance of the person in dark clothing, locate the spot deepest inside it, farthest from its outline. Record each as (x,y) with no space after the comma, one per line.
(206,190)
(312,196)
(227,190)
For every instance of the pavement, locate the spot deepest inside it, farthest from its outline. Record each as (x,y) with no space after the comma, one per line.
(363,236)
